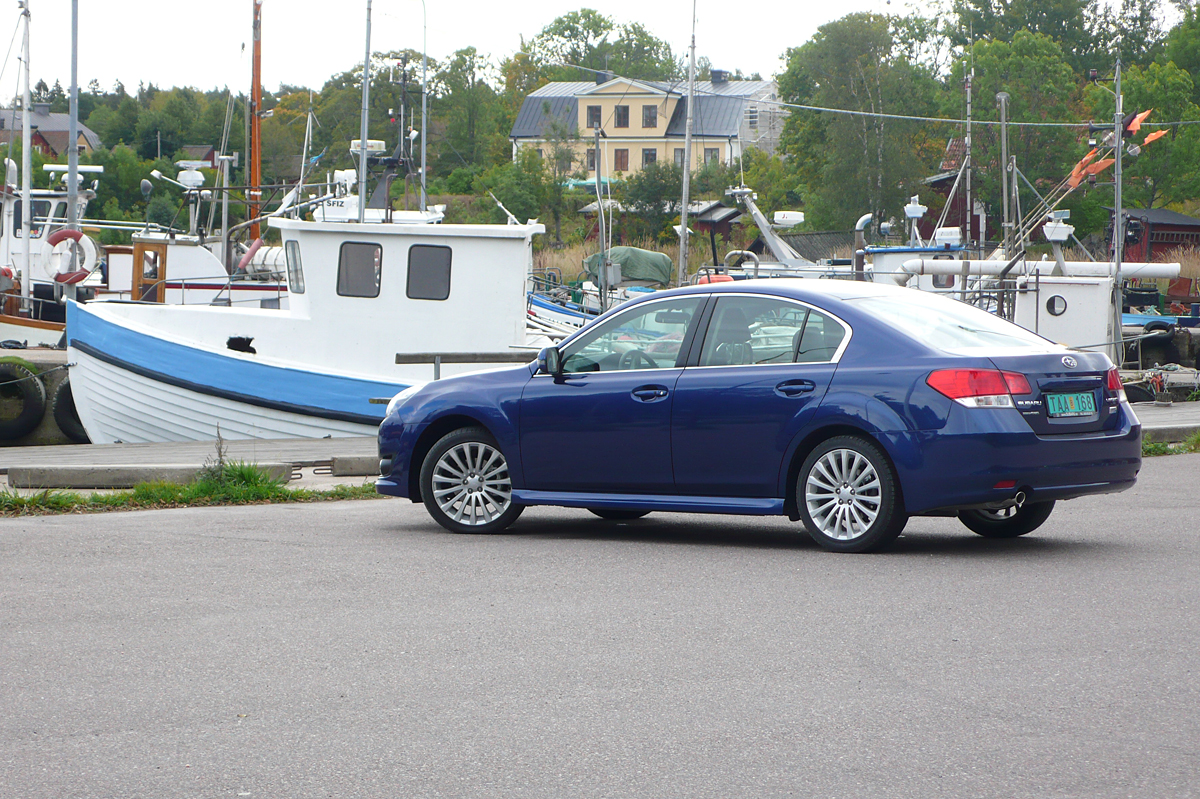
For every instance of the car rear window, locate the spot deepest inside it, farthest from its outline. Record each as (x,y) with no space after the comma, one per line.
(947,324)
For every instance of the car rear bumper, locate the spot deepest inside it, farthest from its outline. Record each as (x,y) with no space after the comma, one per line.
(988,456)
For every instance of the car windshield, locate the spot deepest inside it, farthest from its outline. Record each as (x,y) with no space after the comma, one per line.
(947,324)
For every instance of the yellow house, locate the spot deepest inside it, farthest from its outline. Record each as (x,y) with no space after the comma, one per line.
(641,122)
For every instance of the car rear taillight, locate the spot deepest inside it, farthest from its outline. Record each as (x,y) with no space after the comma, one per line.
(1114,384)
(979,388)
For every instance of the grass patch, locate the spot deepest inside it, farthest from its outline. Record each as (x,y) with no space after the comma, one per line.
(1188,445)
(221,483)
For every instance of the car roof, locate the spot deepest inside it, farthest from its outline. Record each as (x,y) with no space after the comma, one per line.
(796,288)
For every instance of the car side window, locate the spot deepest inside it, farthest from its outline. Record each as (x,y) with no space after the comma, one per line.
(820,339)
(645,337)
(753,330)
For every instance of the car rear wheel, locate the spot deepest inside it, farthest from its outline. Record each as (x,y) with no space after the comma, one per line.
(465,483)
(618,515)
(847,496)
(1009,522)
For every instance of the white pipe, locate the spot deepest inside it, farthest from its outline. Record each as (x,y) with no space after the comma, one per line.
(928,266)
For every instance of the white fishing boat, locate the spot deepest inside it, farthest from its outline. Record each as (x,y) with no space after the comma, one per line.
(373,309)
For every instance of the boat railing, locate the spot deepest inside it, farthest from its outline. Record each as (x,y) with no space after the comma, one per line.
(439,358)
(269,281)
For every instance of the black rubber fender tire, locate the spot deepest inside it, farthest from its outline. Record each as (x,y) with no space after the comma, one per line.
(22,401)
(994,524)
(62,405)
(1163,330)
(1138,394)
(614,515)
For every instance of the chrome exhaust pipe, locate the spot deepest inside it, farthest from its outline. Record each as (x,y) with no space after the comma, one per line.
(1019,499)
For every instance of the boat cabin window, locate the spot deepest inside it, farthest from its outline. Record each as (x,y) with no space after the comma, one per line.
(291,251)
(359,268)
(428,272)
(39,210)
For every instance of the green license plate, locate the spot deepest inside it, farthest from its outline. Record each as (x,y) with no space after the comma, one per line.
(1071,404)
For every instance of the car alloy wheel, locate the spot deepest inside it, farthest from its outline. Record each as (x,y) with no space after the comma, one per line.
(847,496)
(466,485)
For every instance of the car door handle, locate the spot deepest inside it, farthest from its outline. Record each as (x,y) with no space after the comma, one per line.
(649,393)
(795,388)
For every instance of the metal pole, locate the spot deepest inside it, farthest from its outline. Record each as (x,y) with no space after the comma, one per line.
(687,158)
(225,159)
(970,232)
(600,272)
(424,92)
(26,177)
(1002,97)
(73,127)
(1118,223)
(362,125)
(254,147)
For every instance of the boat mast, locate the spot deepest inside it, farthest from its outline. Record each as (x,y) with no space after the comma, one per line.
(362,127)
(254,148)
(687,157)
(73,129)
(1118,221)
(26,175)
(970,232)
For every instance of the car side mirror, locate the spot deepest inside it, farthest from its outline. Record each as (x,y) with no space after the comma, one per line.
(549,361)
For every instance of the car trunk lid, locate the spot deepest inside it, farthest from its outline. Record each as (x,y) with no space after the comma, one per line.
(1069,392)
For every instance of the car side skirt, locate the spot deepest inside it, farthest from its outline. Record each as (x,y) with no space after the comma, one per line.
(747,506)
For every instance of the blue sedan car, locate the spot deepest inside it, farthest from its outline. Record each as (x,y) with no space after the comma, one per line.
(848,406)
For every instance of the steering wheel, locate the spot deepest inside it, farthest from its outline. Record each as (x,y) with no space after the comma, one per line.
(632,359)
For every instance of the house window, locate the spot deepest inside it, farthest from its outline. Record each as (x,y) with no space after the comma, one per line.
(712,155)
(428,272)
(649,116)
(359,268)
(621,118)
(593,116)
(539,153)
(679,157)
(291,250)
(752,117)
(621,160)
(591,159)
(649,155)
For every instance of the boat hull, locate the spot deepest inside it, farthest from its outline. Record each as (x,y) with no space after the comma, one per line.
(130,387)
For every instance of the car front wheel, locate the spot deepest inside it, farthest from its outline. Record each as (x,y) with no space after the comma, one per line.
(847,496)
(1009,522)
(465,483)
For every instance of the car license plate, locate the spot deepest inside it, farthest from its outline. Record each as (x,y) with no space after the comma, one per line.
(1071,404)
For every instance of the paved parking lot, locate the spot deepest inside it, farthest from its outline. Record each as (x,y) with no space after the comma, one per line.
(354,649)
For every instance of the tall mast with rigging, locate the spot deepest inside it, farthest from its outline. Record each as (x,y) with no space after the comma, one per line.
(254,146)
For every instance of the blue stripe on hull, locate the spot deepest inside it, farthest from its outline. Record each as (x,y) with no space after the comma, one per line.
(292,390)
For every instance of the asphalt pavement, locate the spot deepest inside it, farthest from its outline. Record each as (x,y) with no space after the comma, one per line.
(356,649)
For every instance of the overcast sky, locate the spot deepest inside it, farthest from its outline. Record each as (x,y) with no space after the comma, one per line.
(199,44)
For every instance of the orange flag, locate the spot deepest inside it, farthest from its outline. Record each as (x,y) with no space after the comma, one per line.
(1136,124)
(1158,134)
(1077,173)
(1100,166)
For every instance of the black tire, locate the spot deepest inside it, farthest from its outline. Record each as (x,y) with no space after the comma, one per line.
(484,502)
(618,515)
(62,405)
(22,401)
(842,512)
(1008,523)
(1138,393)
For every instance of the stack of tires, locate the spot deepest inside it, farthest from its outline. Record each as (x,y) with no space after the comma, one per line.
(24,401)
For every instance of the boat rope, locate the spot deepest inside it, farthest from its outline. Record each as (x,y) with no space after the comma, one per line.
(37,375)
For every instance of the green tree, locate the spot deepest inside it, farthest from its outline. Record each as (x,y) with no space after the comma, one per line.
(468,112)
(652,195)
(851,164)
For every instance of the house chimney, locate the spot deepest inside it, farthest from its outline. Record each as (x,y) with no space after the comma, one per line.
(41,108)
(719,76)
(603,76)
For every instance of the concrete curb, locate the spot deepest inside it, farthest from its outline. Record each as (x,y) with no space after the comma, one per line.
(1173,434)
(354,466)
(117,476)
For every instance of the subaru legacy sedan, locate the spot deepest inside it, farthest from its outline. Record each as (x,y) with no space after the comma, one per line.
(849,407)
